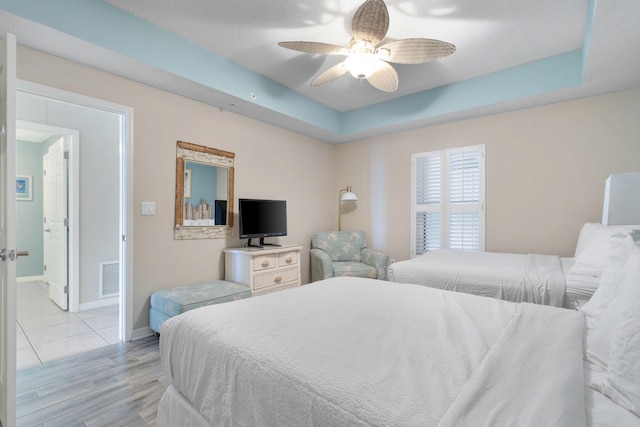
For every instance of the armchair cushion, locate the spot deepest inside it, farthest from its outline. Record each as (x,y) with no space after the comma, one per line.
(340,245)
(356,269)
(345,253)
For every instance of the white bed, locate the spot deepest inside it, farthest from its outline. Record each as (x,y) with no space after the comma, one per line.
(353,351)
(531,278)
(535,278)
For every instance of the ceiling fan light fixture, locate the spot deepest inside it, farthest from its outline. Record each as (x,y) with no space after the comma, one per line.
(365,58)
(361,65)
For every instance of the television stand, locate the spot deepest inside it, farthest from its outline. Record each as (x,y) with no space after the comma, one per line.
(262,244)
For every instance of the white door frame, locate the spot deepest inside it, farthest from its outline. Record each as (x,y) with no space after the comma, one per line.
(71,140)
(8,299)
(126,189)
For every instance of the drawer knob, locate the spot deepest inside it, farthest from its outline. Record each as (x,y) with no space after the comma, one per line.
(265,263)
(289,260)
(278,279)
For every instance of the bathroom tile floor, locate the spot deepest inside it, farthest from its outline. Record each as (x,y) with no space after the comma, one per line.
(45,332)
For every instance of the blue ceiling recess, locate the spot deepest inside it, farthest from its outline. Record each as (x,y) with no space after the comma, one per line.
(101,24)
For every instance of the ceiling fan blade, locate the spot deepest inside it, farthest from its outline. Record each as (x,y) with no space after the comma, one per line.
(384,77)
(371,21)
(414,51)
(331,74)
(317,48)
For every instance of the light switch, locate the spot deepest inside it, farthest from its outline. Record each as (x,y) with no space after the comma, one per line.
(148,208)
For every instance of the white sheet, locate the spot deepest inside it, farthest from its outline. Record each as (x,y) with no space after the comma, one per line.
(600,410)
(350,351)
(579,288)
(511,277)
(174,410)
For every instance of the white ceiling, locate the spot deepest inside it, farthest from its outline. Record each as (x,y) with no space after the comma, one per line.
(489,36)
(29,135)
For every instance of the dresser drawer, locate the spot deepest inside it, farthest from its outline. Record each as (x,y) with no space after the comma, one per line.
(270,289)
(288,258)
(263,262)
(273,278)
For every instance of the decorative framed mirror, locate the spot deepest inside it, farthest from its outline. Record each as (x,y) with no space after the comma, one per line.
(204,192)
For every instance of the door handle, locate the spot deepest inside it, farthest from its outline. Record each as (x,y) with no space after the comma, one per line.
(47,230)
(12,254)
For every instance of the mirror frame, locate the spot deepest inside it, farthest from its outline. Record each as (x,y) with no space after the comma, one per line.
(188,152)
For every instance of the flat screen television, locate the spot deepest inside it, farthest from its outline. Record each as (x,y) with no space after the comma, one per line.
(262,218)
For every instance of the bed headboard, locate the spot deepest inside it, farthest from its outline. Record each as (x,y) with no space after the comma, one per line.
(622,199)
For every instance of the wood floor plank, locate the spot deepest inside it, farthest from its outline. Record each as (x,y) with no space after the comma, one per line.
(119,385)
(54,400)
(59,371)
(43,410)
(106,405)
(26,397)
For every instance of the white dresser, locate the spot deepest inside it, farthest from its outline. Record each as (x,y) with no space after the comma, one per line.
(264,270)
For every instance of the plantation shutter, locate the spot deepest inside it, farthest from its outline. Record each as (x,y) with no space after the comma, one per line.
(448,205)
(428,195)
(465,205)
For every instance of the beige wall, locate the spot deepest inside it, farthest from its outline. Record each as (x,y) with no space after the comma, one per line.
(270,163)
(546,169)
(545,172)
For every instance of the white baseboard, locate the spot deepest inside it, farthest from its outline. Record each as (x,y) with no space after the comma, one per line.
(29,279)
(138,334)
(98,304)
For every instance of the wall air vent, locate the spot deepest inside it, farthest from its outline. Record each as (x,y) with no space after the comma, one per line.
(109,279)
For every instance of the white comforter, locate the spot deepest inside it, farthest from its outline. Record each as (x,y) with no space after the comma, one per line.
(350,351)
(512,277)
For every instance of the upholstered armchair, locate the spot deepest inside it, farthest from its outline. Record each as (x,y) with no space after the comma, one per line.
(345,253)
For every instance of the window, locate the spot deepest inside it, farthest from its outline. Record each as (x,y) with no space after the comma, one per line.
(447,211)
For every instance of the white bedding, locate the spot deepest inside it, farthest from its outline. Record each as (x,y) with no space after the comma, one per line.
(350,351)
(602,411)
(579,288)
(531,278)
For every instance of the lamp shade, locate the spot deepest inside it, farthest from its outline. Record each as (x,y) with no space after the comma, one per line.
(349,197)
(345,195)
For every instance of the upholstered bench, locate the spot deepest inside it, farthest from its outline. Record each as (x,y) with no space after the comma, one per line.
(171,302)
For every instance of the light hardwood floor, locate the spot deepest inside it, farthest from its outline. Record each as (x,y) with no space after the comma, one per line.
(118,385)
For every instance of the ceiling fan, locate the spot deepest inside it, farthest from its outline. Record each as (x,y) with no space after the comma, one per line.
(365,58)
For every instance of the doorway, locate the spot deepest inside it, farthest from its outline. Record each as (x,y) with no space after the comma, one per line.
(48,220)
(48,109)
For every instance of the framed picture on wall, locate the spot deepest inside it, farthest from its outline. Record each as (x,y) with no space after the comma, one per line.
(187,183)
(23,187)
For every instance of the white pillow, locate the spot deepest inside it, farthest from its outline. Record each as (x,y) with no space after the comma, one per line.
(600,331)
(622,383)
(591,257)
(621,246)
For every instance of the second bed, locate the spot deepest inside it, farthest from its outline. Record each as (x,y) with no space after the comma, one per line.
(536,278)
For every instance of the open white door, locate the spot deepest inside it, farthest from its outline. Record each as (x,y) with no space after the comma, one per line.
(55,229)
(8,232)
(47,245)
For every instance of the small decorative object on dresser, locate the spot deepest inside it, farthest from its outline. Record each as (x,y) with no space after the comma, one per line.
(264,270)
